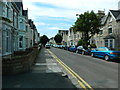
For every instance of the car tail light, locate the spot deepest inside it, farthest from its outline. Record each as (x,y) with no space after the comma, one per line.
(113,53)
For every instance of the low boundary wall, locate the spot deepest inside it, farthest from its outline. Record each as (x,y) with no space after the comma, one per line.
(19,64)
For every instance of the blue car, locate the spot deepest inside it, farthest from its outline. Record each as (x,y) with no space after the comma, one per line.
(104,52)
(72,48)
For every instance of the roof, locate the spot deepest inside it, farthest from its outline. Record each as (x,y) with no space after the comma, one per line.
(118,18)
(103,19)
(19,4)
(116,14)
(25,12)
(31,23)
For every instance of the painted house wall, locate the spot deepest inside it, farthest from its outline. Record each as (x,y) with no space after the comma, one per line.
(77,37)
(73,37)
(21,31)
(70,37)
(10,32)
(6,28)
(64,34)
(111,22)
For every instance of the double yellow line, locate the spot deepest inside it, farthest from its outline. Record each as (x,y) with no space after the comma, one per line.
(80,81)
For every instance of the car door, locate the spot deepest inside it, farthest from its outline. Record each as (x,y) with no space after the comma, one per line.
(73,48)
(96,52)
(100,52)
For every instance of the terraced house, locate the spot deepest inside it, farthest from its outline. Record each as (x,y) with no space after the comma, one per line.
(9,25)
(73,37)
(16,32)
(64,34)
(109,35)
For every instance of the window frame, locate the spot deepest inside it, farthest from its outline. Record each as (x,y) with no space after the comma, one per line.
(109,42)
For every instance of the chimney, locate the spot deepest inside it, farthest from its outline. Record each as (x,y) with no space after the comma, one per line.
(119,5)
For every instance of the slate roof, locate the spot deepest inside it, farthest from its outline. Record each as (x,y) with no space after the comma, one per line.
(116,14)
(31,23)
(118,18)
(19,4)
(103,19)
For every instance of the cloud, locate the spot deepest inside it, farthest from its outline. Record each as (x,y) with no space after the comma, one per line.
(66,8)
(51,12)
(41,24)
(48,22)
(77,4)
(54,28)
(52,15)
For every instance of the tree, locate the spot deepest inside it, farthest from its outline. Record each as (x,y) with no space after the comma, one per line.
(58,38)
(81,43)
(44,39)
(88,24)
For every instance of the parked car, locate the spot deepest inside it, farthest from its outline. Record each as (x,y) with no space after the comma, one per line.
(104,52)
(66,47)
(62,46)
(72,48)
(83,50)
(47,46)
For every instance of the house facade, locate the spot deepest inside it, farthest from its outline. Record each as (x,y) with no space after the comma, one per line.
(70,37)
(9,18)
(73,37)
(64,34)
(109,35)
(52,41)
(16,32)
(21,28)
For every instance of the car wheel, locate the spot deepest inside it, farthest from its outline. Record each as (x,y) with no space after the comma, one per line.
(92,54)
(106,57)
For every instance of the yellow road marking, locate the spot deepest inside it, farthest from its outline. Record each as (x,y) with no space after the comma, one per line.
(81,82)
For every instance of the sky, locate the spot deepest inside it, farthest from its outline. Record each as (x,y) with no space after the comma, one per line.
(49,16)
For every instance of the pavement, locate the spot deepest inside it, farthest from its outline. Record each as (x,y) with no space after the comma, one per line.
(46,73)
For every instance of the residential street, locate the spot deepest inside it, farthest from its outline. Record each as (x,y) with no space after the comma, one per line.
(60,44)
(98,73)
(47,73)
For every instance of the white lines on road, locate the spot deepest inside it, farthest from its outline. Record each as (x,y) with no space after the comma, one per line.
(51,66)
(42,64)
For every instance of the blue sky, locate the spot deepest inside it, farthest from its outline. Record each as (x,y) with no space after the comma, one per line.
(50,16)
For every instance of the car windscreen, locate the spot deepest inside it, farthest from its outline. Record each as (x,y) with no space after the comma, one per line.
(102,49)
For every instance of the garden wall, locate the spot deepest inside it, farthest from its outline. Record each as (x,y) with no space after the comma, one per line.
(19,64)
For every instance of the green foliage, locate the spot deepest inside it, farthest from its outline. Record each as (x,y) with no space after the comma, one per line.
(87,23)
(81,43)
(59,43)
(92,45)
(58,38)
(44,39)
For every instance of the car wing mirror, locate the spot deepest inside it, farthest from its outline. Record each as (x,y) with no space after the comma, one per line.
(96,49)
